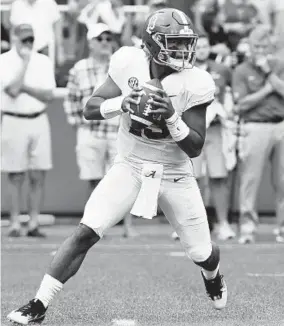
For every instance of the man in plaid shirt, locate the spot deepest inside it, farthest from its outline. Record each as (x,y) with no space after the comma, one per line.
(96,140)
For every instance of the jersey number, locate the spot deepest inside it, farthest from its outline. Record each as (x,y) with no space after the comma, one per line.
(151,132)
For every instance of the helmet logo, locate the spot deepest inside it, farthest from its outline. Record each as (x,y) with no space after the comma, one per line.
(186,30)
(133,82)
(151,24)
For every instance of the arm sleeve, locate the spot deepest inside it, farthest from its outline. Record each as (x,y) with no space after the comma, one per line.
(118,63)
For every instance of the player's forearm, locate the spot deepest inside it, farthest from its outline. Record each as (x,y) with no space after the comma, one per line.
(190,141)
(97,108)
(44,95)
(192,144)
(250,101)
(92,109)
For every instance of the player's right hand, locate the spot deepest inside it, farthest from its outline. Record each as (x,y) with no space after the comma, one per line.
(133,98)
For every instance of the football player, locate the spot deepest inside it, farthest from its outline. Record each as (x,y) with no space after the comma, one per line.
(154,160)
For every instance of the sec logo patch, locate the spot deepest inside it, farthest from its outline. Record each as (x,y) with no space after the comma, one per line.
(133,82)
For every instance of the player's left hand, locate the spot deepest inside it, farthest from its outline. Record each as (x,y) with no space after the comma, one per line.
(161,104)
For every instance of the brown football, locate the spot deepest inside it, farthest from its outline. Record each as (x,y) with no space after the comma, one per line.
(141,117)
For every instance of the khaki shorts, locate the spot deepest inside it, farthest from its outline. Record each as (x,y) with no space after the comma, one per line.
(95,155)
(26,144)
(211,161)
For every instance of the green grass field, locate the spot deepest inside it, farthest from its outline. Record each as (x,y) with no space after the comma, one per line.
(147,281)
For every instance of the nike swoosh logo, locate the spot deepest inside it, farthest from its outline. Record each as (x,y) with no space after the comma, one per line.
(178,179)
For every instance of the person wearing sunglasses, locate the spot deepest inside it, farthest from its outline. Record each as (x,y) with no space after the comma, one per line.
(45,18)
(27,87)
(96,140)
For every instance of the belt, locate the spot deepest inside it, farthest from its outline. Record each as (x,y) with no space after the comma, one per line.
(22,115)
(275,120)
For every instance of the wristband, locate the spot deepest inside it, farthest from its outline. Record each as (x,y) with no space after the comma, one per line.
(112,107)
(177,128)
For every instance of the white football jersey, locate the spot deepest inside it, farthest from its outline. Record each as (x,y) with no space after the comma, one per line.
(190,87)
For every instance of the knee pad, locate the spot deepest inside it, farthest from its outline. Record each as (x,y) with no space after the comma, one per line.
(209,262)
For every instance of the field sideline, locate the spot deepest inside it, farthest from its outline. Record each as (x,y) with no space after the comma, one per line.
(147,281)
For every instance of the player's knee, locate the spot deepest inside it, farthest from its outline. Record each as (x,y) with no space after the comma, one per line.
(84,237)
(207,257)
(199,252)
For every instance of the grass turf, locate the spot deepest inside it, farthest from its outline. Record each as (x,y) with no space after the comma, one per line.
(146,281)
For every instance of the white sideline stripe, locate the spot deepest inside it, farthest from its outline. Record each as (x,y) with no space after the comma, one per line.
(266,274)
(176,254)
(123,322)
(118,246)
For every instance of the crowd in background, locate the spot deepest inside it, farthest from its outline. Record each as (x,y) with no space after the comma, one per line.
(79,40)
(63,34)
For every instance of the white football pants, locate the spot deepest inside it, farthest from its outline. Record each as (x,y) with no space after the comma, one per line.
(180,201)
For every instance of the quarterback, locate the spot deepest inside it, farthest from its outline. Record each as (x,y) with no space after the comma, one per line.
(155,145)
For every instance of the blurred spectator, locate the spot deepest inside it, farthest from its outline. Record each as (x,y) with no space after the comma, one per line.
(155,5)
(135,23)
(109,12)
(44,16)
(238,18)
(271,12)
(96,140)
(5,39)
(27,85)
(218,152)
(208,21)
(258,87)
(204,11)
(218,39)
(74,45)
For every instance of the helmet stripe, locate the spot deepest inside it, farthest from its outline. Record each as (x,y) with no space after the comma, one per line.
(182,17)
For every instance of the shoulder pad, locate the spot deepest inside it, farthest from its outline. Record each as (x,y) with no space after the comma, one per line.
(200,87)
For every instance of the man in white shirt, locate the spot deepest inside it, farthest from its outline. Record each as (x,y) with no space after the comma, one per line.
(27,86)
(44,16)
